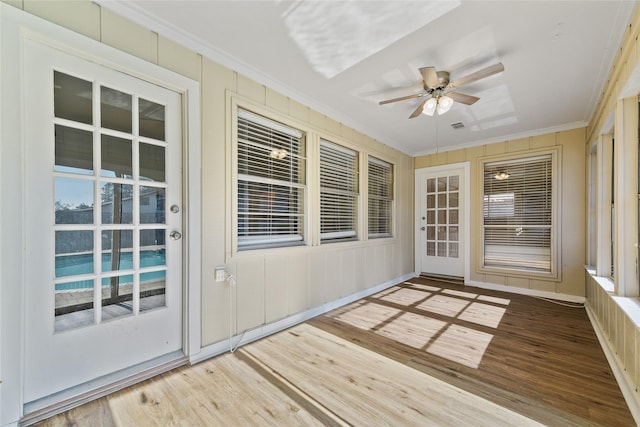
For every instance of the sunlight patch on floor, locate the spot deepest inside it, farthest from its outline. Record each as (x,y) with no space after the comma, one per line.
(412,329)
(461,345)
(483,314)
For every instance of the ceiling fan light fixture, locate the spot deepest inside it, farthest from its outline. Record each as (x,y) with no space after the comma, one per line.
(430,107)
(444,104)
(500,175)
(278,153)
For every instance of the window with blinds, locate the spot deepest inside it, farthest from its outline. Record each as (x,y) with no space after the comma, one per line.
(338,193)
(271,183)
(380,183)
(517,211)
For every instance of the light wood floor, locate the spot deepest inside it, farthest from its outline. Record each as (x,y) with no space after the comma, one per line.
(423,353)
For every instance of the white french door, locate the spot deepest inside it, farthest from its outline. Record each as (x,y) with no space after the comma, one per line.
(104,212)
(440,247)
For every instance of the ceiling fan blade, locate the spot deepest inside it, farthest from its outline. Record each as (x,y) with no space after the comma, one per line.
(430,76)
(480,74)
(402,98)
(462,98)
(418,110)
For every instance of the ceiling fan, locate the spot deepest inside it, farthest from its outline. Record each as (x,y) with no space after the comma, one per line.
(439,91)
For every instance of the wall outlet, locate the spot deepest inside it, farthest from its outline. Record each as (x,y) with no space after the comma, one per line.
(221,274)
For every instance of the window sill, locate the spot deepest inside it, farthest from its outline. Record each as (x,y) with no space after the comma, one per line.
(605,282)
(630,306)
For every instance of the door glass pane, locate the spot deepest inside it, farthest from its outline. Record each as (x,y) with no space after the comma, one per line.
(117,296)
(152,240)
(117,203)
(442,184)
(152,162)
(152,205)
(73,304)
(116,157)
(453,250)
(431,217)
(431,233)
(115,109)
(151,116)
(152,290)
(442,200)
(431,201)
(72,98)
(453,216)
(431,185)
(73,201)
(117,250)
(74,253)
(152,257)
(442,232)
(442,249)
(453,234)
(454,183)
(442,216)
(74,150)
(453,200)
(431,248)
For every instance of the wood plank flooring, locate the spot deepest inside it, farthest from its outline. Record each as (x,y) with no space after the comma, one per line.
(424,353)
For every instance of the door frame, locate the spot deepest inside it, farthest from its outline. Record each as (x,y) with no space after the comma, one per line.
(17,26)
(464,220)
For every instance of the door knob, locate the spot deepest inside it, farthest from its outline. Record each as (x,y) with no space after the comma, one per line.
(175,235)
(422,228)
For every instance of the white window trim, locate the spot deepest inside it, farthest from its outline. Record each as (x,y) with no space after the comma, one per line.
(372,158)
(556,160)
(350,235)
(18,25)
(268,119)
(626,196)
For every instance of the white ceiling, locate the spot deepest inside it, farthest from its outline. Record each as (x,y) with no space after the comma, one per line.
(342,57)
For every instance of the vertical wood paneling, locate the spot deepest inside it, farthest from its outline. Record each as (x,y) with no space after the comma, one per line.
(494,149)
(175,57)
(347,264)
(334,275)
(318,279)
(298,283)
(359,264)
(518,145)
(276,295)
(630,361)
(518,282)
(277,101)
(82,17)
(543,141)
(250,289)
(123,34)
(252,90)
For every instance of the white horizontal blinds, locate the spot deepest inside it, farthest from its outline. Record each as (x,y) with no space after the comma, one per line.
(338,192)
(380,185)
(271,183)
(517,210)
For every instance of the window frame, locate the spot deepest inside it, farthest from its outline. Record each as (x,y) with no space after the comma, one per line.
(387,197)
(265,241)
(337,164)
(554,272)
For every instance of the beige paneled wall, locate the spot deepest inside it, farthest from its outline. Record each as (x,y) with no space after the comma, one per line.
(272,284)
(618,329)
(612,313)
(572,225)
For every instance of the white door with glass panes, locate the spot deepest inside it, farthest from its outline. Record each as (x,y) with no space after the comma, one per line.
(104,216)
(441,244)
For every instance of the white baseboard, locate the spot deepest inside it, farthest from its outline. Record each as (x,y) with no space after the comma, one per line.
(271,328)
(526,291)
(625,383)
